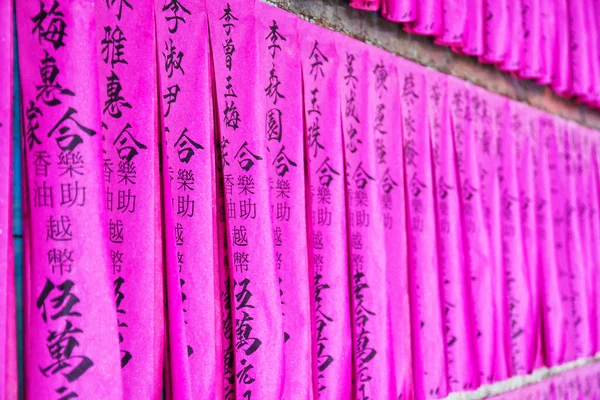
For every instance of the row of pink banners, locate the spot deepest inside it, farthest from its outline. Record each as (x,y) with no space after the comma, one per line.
(554,42)
(257,208)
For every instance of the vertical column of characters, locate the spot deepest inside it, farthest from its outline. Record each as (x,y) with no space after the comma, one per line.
(258,338)
(8,370)
(478,254)
(525,137)
(555,145)
(127,76)
(74,349)
(575,250)
(518,295)
(459,343)
(187,124)
(372,364)
(332,344)
(553,311)
(488,166)
(277,46)
(387,126)
(428,332)
(583,205)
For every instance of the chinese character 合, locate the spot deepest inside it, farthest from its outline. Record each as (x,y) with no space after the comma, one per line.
(361,177)
(127,144)
(113,46)
(186,146)
(53,31)
(175,6)
(387,183)
(317,58)
(246,157)
(326,172)
(68,141)
(49,89)
(283,163)
(114,100)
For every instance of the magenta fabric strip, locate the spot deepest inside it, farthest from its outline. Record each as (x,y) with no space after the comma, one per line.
(428,18)
(518,296)
(473,43)
(240,108)
(399,10)
(281,82)
(461,364)
(369,5)
(578,46)
(126,75)
(8,332)
(373,363)
(514,34)
(548,42)
(495,29)
(195,356)
(454,20)
(390,177)
(470,118)
(328,259)
(561,83)
(575,250)
(430,377)
(70,287)
(554,311)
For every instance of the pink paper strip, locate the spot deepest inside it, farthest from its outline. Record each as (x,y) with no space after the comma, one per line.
(514,34)
(470,123)
(280,78)
(561,59)
(373,365)
(548,41)
(127,78)
(575,250)
(369,5)
(390,176)
(399,10)
(328,259)
(454,17)
(8,342)
(558,186)
(428,18)
(461,363)
(495,31)
(487,130)
(530,67)
(578,46)
(525,131)
(73,347)
(594,221)
(259,335)
(518,294)
(429,362)
(554,312)
(473,43)
(195,350)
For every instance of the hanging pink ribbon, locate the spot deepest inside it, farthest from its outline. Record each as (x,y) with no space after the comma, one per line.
(70,292)
(280,79)
(332,341)
(8,332)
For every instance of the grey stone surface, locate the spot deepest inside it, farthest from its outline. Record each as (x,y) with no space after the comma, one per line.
(371,28)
